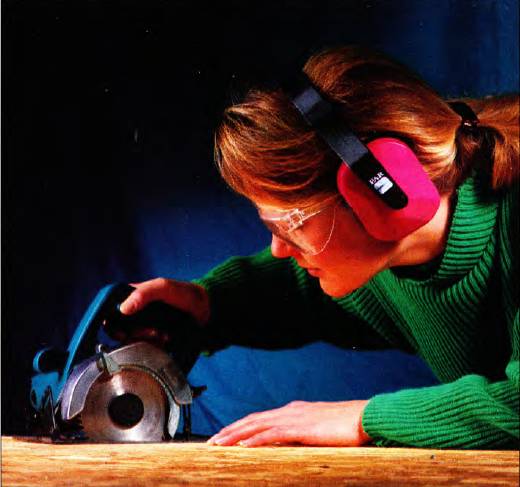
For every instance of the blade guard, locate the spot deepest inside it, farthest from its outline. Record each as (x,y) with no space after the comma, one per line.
(379,220)
(140,354)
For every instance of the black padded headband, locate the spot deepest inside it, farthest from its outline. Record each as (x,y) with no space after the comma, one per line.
(323,116)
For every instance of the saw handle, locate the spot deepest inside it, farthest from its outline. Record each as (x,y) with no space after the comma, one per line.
(172,329)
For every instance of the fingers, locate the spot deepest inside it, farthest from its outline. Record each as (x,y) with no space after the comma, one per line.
(258,434)
(251,418)
(272,436)
(188,297)
(145,293)
(238,434)
(246,422)
(248,427)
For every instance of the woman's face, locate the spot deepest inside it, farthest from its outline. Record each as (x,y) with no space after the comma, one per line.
(350,258)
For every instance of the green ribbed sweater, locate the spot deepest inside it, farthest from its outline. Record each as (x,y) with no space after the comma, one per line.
(461,317)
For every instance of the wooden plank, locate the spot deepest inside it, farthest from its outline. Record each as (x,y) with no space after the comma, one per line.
(30,463)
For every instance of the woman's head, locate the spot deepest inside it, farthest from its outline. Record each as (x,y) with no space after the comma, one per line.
(266,151)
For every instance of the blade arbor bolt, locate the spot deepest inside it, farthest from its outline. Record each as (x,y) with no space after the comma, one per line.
(126,410)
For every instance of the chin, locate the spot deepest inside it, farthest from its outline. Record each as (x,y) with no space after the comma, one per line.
(336,289)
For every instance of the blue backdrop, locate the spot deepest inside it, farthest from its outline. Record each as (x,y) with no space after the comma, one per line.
(108,117)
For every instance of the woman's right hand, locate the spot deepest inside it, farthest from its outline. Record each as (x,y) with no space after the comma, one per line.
(185,296)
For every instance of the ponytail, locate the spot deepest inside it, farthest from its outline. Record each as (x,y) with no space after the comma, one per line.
(492,146)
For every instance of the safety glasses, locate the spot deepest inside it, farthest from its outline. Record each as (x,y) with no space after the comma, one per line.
(307,230)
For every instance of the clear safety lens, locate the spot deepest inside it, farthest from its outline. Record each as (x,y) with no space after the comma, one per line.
(308,231)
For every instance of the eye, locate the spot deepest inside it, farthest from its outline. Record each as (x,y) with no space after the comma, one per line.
(271,227)
(284,237)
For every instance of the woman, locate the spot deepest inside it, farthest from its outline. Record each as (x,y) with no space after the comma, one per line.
(448,291)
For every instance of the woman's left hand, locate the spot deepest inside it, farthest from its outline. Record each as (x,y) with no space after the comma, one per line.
(299,422)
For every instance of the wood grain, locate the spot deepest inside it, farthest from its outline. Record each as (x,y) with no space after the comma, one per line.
(29,463)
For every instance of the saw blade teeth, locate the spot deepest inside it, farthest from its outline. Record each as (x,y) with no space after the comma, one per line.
(75,424)
(78,423)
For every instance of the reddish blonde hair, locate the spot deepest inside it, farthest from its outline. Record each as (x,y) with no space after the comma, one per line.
(265,150)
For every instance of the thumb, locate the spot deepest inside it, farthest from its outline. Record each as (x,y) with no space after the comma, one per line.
(135,301)
(127,307)
(158,289)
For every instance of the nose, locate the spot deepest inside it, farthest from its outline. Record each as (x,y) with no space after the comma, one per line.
(281,249)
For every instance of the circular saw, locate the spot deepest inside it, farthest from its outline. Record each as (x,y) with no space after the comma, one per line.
(134,392)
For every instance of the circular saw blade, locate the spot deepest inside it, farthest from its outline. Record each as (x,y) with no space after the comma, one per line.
(129,406)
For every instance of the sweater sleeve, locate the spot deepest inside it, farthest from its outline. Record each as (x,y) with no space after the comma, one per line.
(471,412)
(264,302)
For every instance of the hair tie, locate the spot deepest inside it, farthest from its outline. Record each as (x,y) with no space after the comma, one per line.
(469,117)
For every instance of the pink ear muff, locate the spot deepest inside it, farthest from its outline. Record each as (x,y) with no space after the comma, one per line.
(379,220)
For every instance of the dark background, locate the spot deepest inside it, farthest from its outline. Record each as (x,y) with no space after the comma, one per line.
(107,122)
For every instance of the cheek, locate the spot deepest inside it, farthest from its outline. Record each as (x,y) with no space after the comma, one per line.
(351,248)
(352,242)
(351,259)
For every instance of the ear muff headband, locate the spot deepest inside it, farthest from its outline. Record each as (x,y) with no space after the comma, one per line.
(383,182)
(320,114)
